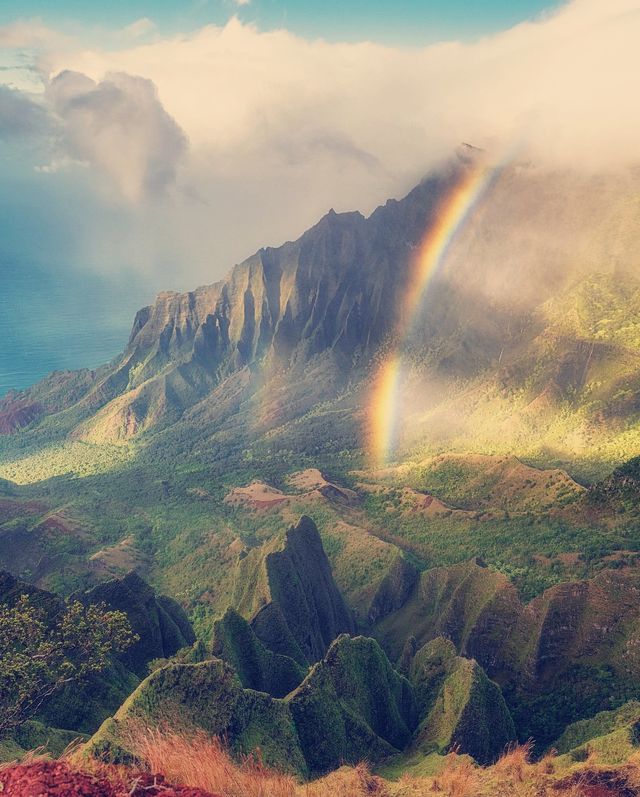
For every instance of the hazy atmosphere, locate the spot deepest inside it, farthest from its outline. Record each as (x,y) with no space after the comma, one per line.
(320,398)
(181,152)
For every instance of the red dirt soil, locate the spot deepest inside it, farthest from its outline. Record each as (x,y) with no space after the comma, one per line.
(18,414)
(57,779)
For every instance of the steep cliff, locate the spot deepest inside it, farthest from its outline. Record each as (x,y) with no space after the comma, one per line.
(285,590)
(257,667)
(160,622)
(461,708)
(208,696)
(564,656)
(352,706)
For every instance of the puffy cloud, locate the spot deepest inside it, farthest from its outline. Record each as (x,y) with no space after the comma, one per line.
(563,85)
(119,126)
(281,128)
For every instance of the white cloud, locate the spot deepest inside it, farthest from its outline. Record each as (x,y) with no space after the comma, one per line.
(120,127)
(565,84)
(141,27)
(281,128)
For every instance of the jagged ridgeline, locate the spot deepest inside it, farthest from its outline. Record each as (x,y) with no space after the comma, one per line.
(474,596)
(293,327)
(290,678)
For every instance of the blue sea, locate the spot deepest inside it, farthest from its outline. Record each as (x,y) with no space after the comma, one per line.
(64,319)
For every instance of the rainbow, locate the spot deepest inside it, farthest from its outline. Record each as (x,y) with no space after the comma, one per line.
(431,255)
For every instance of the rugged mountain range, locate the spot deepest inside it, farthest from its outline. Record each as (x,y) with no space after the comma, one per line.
(344,704)
(532,306)
(456,598)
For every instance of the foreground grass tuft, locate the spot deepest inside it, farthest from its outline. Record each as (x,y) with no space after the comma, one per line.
(199,761)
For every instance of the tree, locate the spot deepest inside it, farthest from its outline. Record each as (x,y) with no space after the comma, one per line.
(41,654)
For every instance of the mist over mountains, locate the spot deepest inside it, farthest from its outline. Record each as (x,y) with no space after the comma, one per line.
(358,512)
(533,305)
(463,524)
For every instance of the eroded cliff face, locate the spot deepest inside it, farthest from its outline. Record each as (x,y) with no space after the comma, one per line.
(352,706)
(287,593)
(460,708)
(159,621)
(318,309)
(563,656)
(332,289)
(341,702)
(332,293)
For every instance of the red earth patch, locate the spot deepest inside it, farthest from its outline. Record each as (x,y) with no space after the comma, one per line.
(17,415)
(58,779)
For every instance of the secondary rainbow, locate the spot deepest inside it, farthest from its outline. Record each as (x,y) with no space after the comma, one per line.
(454,211)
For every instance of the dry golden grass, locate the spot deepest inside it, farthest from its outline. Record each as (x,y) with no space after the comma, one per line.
(200,761)
(459,778)
(346,782)
(515,764)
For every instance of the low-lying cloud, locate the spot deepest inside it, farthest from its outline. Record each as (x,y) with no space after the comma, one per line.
(20,117)
(280,128)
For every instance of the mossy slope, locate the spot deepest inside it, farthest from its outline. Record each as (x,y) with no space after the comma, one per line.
(35,735)
(353,706)
(612,735)
(160,622)
(209,696)
(462,709)
(563,657)
(257,667)
(286,591)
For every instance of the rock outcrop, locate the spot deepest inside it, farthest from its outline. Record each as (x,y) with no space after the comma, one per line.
(461,708)
(473,606)
(352,706)
(559,658)
(257,667)
(394,590)
(207,695)
(159,621)
(285,590)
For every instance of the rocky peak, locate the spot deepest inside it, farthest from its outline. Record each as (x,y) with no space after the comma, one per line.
(286,591)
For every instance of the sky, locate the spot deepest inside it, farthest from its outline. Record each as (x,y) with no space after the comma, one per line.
(415,22)
(170,140)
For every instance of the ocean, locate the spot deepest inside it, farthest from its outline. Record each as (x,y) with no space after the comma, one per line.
(63,320)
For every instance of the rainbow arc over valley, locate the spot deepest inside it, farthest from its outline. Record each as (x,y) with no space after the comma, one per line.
(457,207)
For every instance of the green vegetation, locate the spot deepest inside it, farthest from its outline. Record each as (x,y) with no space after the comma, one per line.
(462,709)
(257,667)
(209,696)
(40,655)
(617,730)
(286,590)
(33,735)
(510,489)
(351,706)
